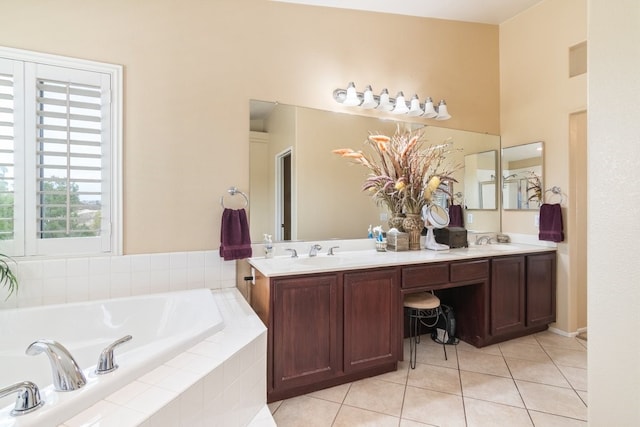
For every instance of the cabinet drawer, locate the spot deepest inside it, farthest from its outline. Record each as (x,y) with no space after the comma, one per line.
(415,277)
(462,271)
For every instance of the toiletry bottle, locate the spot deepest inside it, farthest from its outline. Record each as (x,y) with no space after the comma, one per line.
(370,232)
(268,246)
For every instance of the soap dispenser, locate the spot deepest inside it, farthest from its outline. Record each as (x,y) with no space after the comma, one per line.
(268,246)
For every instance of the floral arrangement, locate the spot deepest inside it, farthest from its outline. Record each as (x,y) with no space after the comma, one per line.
(403,175)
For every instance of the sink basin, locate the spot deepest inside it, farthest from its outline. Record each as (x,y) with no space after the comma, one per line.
(319,261)
(494,247)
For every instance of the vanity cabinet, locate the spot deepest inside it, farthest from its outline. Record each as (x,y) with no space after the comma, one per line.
(370,319)
(328,329)
(541,289)
(523,295)
(306,341)
(507,295)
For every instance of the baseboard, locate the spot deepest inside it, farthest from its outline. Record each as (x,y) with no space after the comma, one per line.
(567,334)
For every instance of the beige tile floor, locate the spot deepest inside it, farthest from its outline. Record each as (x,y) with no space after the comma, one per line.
(538,380)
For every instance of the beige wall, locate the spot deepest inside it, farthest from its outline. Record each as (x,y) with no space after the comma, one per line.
(537,97)
(190,68)
(613,267)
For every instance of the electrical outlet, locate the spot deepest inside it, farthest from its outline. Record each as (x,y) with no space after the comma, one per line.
(384,216)
(536,220)
(469,218)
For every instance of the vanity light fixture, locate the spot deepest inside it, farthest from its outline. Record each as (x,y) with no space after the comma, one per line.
(398,105)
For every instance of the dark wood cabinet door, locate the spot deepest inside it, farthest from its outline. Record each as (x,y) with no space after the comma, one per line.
(370,319)
(507,294)
(541,289)
(305,330)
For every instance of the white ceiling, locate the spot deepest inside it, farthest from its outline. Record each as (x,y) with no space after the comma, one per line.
(484,11)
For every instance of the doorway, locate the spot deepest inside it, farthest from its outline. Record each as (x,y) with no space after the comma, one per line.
(577,216)
(283,195)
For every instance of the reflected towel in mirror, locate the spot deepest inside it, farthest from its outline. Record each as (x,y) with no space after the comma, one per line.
(455,216)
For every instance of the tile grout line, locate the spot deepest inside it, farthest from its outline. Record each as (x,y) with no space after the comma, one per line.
(526,408)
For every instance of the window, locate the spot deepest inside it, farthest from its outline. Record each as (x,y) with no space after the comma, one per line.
(59,155)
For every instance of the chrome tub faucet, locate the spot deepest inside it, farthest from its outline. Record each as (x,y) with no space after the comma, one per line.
(67,375)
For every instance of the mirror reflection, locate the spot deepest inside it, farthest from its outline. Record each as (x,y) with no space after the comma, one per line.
(522,169)
(300,190)
(480,180)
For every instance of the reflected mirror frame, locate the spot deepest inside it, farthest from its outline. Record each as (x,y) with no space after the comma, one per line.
(523,181)
(480,184)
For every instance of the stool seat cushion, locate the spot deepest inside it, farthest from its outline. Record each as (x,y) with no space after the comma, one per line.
(421,301)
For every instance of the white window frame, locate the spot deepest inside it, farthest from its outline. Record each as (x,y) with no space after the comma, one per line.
(112,231)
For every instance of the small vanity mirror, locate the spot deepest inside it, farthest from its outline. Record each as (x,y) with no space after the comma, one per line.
(522,168)
(480,180)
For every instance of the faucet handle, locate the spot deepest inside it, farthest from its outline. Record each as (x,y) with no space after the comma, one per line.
(106,361)
(28,399)
(294,253)
(331,250)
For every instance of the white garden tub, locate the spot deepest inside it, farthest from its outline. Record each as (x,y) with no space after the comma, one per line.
(162,326)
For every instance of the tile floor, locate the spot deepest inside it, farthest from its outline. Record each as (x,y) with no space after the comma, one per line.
(538,380)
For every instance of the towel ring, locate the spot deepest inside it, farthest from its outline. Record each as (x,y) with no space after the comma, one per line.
(233,191)
(555,191)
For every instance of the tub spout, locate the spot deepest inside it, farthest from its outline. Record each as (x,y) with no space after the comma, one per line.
(28,399)
(106,361)
(67,375)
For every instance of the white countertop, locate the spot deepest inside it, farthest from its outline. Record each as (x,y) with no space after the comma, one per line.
(369,258)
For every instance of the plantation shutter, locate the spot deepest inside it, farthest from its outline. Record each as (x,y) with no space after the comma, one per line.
(11,144)
(69,146)
(6,156)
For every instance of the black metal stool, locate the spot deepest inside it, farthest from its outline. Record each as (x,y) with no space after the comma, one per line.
(422,306)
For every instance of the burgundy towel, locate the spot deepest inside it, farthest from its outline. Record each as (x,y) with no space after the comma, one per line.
(235,241)
(455,216)
(551,227)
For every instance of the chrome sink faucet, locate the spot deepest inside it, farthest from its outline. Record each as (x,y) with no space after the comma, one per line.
(314,250)
(483,240)
(67,375)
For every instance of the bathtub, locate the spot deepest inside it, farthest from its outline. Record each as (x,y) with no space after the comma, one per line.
(162,325)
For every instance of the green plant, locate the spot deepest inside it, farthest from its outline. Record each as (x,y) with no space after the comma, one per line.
(7,277)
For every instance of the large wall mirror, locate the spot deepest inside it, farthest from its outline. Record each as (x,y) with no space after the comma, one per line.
(294,172)
(522,172)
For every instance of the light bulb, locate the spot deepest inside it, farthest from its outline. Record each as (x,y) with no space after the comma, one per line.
(352,99)
(401,105)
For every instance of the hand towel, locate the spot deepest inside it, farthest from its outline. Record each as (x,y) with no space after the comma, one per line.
(550,222)
(455,216)
(235,241)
